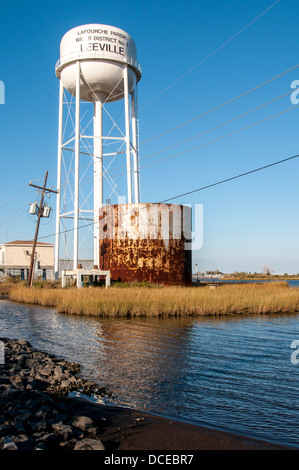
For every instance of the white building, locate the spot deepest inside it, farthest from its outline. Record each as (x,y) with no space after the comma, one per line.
(15,259)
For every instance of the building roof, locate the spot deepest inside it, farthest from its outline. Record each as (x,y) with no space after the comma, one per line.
(26,243)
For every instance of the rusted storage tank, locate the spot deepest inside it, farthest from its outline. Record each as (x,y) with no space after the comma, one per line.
(146,242)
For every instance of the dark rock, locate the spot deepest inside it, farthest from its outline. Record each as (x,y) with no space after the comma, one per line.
(64,431)
(18,427)
(4,380)
(40,446)
(82,422)
(31,404)
(41,414)
(6,429)
(24,416)
(89,444)
(62,408)
(10,412)
(35,409)
(78,434)
(8,443)
(58,372)
(65,384)
(57,417)
(17,381)
(47,370)
(38,425)
(25,443)
(66,445)
(50,440)
(24,343)
(30,362)
(11,393)
(46,400)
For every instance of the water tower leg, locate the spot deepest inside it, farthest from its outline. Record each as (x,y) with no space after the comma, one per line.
(59,158)
(98,175)
(63,279)
(127,124)
(77,156)
(135,144)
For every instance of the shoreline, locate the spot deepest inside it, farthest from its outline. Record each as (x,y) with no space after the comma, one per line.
(129,302)
(36,413)
(157,433)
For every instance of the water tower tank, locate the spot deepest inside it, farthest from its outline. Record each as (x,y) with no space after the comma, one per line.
(102,51)
(147,242)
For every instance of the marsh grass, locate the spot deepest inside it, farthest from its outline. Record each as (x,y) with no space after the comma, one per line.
(275,297)
(8,283)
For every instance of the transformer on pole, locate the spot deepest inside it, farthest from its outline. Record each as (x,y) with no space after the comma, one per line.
(41,210)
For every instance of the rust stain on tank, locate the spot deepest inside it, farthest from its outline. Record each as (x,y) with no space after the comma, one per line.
(146,242)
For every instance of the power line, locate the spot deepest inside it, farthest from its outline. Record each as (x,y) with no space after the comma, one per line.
(12,197)
(197,117)
(16,215)
(217,127)
(194,190)
(207,112)
(230,179)
(211,54)
(214,140)
(205,132)
(211,129)
(222,137)
(220,106)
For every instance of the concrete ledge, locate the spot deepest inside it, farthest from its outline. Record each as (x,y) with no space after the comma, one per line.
(79,273)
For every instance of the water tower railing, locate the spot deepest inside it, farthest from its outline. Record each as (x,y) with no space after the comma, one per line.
(97,56)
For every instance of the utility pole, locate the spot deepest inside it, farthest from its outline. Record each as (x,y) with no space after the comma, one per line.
(39,215)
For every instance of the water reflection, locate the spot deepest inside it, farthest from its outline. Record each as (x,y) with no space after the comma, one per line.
(233,373)
(149,355)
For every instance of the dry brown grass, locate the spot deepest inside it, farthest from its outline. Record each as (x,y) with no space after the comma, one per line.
(274,297)
(7,284)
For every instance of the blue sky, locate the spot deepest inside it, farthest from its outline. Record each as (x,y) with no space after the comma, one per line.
(249,222)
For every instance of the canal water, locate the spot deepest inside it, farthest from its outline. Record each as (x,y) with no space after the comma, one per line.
(291,282)
(231,373)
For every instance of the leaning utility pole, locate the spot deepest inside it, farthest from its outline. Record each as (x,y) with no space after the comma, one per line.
(39,215)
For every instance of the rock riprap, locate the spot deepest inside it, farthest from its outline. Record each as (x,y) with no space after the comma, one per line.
(36,411)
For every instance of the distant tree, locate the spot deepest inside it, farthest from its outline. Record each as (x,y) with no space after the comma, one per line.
(268,270)
(214,272)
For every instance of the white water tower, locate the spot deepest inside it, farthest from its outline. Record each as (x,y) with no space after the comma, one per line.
(98,65)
